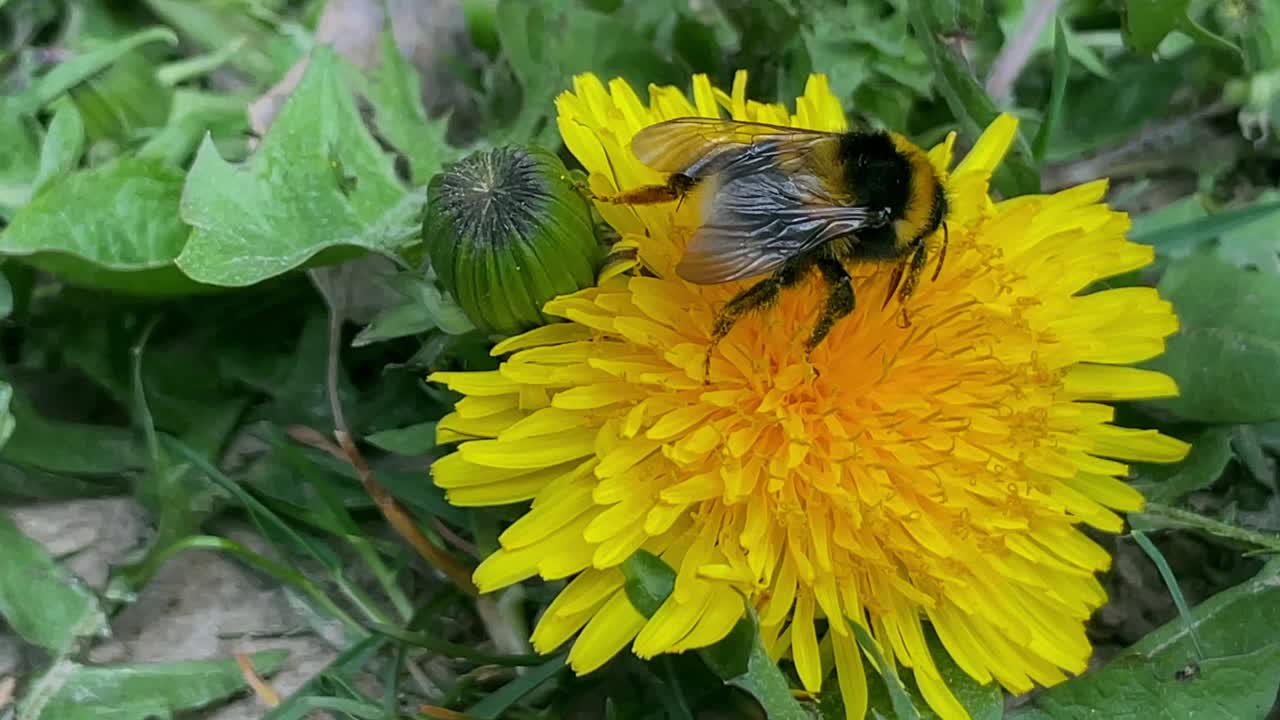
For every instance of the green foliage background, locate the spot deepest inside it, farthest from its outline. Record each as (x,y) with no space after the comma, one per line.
(176,287)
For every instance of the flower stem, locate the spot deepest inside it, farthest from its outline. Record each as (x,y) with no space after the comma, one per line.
(1166,516)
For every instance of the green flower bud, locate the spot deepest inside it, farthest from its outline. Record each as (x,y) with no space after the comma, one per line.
(506,231)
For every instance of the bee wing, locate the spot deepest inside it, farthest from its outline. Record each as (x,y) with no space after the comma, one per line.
(699,147)
(755,223)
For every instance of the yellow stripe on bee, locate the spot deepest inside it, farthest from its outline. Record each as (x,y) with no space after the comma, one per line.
(924,185)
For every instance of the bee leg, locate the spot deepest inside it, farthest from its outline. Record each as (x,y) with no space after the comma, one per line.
(942,251)
(894,280)
(840,301)
(760,295)
(915,267)
(675,188)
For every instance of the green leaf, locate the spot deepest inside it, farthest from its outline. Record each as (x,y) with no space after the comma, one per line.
(34,484)
(1226,355)
(761,677)
(1181,238)
(68,74)
(424,307)
(899,698)
(199,65)
(63,144)
(417,439)
(971,105)
(71,448)
(39,599)
(649,581)
(7,421)
(1163,483)
(396,95)
(866,52)
(1100,116)
(115,226)
(530,34)
(71,691)
(318,182)
(123,102)
(1254,243)
(6,297)
(20,160)
(1159,677)
(269,51)
(1148,22)
(983,702)
(739,659)
(192,115)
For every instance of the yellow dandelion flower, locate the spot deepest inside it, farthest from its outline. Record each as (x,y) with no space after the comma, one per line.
(938,472)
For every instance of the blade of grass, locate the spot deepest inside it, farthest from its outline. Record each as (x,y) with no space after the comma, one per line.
(1171,582)
(351,531)
(1061,71)
(1184,237)
(260,513)
(351,660)
(496,703)
(444,647)
(277,571)
(403,524)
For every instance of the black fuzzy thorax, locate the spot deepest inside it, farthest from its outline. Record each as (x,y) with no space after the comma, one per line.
(878,176)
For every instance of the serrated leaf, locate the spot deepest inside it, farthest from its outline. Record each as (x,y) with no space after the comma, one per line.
(1148,22)
(63,144)
(529,35)
(39,599)
(396,94)
(71,691)
(969,102)
(192,115)
(268,54)
(68,74)
(1159,677)
(114,226)
(1163,483)
(318,182)
(1229,329)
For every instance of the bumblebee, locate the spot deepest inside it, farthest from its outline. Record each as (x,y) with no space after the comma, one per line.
(783,203)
